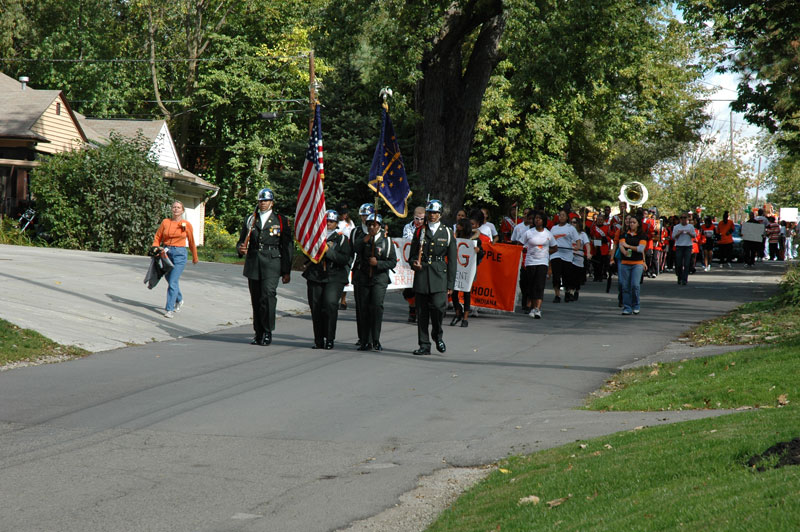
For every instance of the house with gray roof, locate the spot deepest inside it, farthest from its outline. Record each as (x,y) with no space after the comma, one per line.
(35,123)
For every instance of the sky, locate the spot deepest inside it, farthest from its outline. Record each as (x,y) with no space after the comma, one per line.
(720,112)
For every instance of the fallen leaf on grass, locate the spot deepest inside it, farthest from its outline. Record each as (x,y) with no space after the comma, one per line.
(712,374)
(590,497)
(745,408)
(583,446)
(654,373)
(558,502)
(504,471)
(569,468)
(687,405)
(607,446)
(596,453)
(783,400)
(530,499)
(640,427)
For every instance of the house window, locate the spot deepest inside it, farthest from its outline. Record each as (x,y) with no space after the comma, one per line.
(58,108)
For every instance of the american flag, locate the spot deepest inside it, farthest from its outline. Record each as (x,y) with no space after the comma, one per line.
(310,216)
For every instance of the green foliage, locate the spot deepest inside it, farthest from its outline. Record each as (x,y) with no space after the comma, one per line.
(11,235)
(764,52)
(705,176)
(789,294)
(111,198)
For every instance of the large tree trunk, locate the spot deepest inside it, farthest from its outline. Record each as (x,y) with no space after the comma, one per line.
(449,97)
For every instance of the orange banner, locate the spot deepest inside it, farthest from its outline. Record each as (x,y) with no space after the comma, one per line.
(495,285)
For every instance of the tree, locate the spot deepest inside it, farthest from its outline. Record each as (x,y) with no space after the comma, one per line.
(705,177)
(765,53)
(109,198)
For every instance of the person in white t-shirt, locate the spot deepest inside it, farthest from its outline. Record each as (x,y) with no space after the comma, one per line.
(580,253)
(683,234)
(539,244)
(561,260)
(488,228)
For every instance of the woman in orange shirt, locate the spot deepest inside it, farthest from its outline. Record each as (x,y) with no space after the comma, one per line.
(173,235)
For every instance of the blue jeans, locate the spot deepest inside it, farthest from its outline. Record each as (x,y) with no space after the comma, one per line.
(630,278)
(683,262)
(178,258)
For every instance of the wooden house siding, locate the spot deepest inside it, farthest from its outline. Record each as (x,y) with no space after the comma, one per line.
(59,129)
(164,149)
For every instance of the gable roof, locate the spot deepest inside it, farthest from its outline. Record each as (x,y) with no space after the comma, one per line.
(99,131)
(21,109)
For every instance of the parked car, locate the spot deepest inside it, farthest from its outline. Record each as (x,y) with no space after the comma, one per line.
(738,246)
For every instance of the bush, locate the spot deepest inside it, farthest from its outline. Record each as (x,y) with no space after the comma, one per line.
(111,198)
(790,287)
(10,233)
(217,237)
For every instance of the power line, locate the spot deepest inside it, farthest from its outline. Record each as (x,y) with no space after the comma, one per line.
(133,60)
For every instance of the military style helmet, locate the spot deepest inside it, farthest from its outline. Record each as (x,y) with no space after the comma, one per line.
(366,209)
(375,218)
(266,194)
(331,216)
(434,205)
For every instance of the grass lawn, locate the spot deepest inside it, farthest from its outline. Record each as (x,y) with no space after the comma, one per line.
(24,344)
(756,377)
(774,320)
(689,476)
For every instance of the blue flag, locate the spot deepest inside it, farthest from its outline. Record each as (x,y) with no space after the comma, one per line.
(387,176)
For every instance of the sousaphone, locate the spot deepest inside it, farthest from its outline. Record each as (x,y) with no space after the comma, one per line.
(633,193)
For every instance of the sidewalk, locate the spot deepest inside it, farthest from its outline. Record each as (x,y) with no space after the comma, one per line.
(98,301)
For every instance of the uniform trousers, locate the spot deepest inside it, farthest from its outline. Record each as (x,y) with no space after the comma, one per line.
(370,318)
(430,308)
(264,298)
(323,298)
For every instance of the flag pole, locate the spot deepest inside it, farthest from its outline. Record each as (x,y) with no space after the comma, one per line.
(312,89)
(385,93)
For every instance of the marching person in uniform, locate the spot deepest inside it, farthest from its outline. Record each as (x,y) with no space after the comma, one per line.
(363,212)
(326,281)
(267,241)
(377,257)
(409,230)
(433,255)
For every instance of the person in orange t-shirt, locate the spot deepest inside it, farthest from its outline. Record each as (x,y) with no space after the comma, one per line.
(725,231)
(172,236)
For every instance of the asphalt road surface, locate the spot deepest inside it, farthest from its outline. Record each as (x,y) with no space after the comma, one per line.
(209,433)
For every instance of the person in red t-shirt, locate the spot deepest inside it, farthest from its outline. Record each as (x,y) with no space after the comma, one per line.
(601,237)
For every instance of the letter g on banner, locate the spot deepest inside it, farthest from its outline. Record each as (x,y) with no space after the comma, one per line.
(464,255)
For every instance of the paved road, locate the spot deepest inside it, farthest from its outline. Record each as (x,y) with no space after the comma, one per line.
(208,433)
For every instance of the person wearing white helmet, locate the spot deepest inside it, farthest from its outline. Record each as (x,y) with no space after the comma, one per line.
(433,256)
(266,240)
(364,211)
(378,256)
(326,280)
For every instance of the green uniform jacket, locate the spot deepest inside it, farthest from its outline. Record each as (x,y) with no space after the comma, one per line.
(269,252)
(437,274)
(335,265)
(384,252)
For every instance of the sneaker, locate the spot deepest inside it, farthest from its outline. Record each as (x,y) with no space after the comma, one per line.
(636,311)
(532,313)
(169,314)
(538,315)
(179,305)
(626,312)
(557,299)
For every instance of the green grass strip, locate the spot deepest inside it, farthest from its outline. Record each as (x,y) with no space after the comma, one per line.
(688,476)
(756,377)
(24,344)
